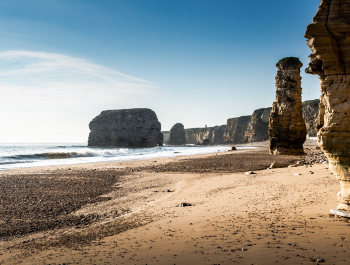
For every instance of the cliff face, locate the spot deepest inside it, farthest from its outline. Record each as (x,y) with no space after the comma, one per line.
(198,135)
(287,129)
(125,128)
(310,114)
(257,129)
(236,129)
(328,39)
(218,134)
(245,129)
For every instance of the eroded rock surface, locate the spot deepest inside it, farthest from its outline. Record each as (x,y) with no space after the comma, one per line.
(211,135)
(329,41)
(287,129)
(126,128)
(257,129)
(177,135)
(235,129)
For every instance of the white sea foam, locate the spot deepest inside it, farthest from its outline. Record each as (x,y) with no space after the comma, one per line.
(34,155)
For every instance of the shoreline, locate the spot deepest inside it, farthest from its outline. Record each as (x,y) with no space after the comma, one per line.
(135,161)
(143,207)
(96,155)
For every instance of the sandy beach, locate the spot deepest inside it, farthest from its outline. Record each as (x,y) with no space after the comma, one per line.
(199,209)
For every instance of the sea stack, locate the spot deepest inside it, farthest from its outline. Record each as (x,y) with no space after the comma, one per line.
(287,129)
(329,41)
(126,128)
(177,135)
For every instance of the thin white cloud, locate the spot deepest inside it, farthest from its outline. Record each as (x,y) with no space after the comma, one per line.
(46,95)
(55,75)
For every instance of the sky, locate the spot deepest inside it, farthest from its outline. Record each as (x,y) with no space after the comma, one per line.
(197,62)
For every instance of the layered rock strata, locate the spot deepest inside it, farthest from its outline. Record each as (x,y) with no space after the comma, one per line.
(287,129)
(177,135)
(257,129)
(236,129)
(329,41)
(126,128)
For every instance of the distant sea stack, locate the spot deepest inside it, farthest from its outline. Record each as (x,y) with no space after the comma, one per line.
(177,135)
(287,129)
(126,128)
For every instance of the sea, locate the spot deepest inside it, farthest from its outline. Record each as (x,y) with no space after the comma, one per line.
(50,154)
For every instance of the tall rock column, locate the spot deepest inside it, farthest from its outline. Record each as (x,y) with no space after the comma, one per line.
(287,129)
(329,41)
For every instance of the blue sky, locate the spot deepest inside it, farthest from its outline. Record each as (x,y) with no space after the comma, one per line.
(197,62)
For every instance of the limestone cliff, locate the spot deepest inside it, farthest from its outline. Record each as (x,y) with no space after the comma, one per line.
(125,128)
(236,129)
(198,135)
(328,39)
(251,128)
(310,115)
(287,129)
(257,129)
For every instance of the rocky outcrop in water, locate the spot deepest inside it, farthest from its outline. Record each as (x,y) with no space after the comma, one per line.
(287,129)
(328,39)
(236,129)
(257,129)
(126,128)
(177,135)
(310,115)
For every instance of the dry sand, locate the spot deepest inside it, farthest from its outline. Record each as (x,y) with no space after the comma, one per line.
(276,216)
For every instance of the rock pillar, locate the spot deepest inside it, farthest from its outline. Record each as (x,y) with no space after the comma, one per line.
(287,129)
(329,41)
(177,135)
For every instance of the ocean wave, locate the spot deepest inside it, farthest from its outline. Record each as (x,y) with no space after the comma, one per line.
(63,155)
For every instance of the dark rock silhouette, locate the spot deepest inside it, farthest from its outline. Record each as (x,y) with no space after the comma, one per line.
(126,128)
(177,135)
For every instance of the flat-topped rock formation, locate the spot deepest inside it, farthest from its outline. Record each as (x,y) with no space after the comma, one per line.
(257,129)
(177,135)
(287,129)
(328,39)
(126,128)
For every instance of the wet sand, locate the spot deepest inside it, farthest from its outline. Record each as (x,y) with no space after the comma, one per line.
(276,216)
